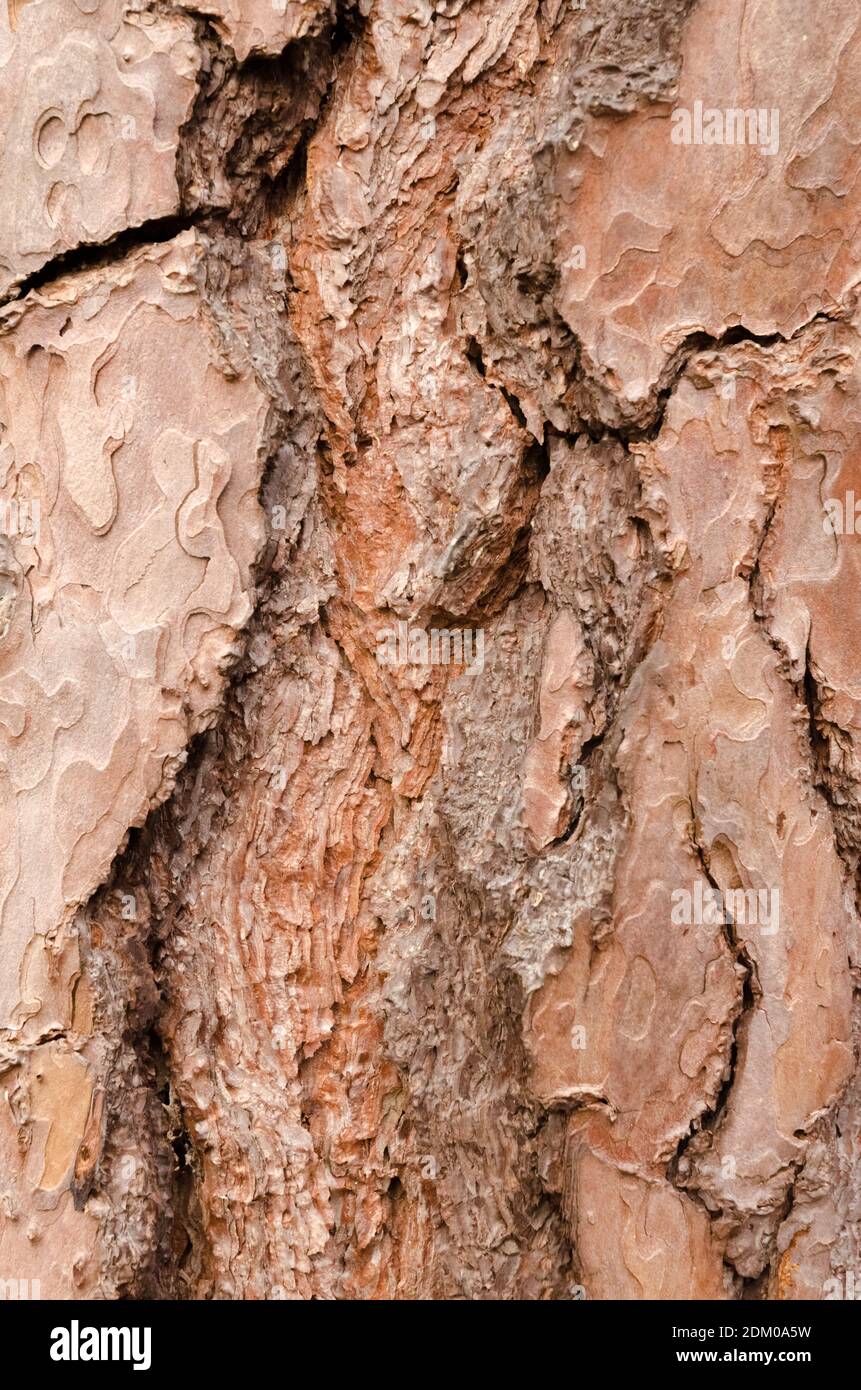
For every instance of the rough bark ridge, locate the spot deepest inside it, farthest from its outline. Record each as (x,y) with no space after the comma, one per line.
(336,336)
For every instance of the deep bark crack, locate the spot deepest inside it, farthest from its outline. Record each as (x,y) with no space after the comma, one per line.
(97,255)
(710,1117)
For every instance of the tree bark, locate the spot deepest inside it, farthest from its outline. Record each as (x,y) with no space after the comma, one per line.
(430,690)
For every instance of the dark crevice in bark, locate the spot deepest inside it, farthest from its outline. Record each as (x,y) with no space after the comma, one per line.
(514,406)
(134,1176)
(839,791)
(97,255)
(840,794)
(207,216)
(753,576)
(510,578)
(581,796)
(179,1247)
(747,1288)
(242,150)
(184,1229)
(710,1118)
(183,1234)
(569,1273)
(475,358)
(819,747)
(178,1251)
(828,744)
(676,367)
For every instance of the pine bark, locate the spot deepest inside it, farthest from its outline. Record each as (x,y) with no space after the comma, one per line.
(430,699)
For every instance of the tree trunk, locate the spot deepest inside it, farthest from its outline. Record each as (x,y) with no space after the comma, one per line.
(430,682)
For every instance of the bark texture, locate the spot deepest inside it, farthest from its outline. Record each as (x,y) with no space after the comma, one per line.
(332,967)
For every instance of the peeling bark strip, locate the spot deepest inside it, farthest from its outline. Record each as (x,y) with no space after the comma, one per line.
(430,656)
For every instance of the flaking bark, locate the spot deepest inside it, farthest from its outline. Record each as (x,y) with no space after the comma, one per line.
(329,969)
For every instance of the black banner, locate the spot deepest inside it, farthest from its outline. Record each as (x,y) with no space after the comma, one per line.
(73,1339)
